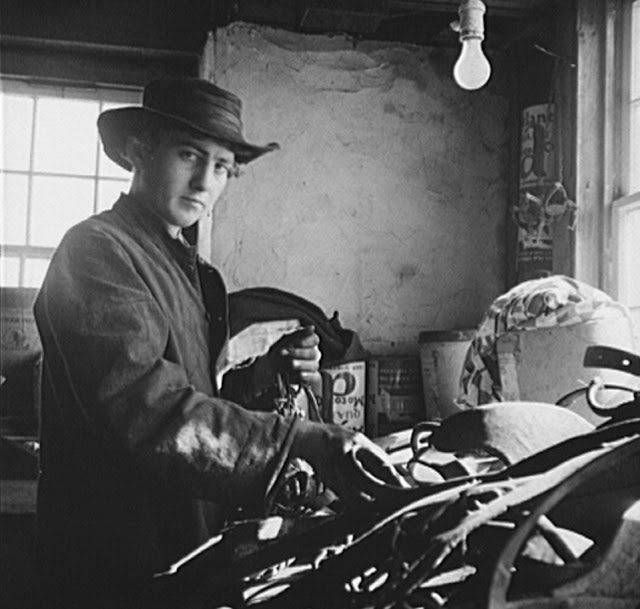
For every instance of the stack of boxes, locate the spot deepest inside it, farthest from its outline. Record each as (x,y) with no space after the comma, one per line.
(377,396)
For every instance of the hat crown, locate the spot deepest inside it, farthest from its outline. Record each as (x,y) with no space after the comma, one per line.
(195,101)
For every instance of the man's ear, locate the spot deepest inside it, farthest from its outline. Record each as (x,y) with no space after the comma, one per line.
(137,152)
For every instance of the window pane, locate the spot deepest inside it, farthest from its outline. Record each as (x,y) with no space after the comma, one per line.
(629,255)
(109,191)
(14,208)
(34,271)
(17,111)
(58,204)
(106,167)
(634,147)
(66,135)
(635,51)
(10,271)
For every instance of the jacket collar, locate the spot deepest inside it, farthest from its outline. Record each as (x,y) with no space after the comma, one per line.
(138,215)
(147,220)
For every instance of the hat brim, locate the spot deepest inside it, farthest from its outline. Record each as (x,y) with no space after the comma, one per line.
(116,125)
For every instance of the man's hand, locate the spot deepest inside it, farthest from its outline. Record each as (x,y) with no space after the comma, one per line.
(328,448)
(298,355)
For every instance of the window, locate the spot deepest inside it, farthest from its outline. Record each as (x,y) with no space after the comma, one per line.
(607,239)
(53,171)
(626,208)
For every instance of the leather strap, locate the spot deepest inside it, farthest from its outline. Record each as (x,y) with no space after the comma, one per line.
(597,356)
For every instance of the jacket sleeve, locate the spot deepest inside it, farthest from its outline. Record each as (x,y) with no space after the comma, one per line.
(105,340)
(253,386)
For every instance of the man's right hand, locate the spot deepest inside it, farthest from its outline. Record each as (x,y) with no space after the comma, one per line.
(298,355)
(327,448)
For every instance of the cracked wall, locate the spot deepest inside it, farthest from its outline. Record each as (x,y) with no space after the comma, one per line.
(387,200)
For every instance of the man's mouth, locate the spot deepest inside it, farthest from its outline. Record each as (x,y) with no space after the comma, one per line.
(193,201)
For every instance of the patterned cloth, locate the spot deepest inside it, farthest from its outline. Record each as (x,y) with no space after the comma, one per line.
(538,303)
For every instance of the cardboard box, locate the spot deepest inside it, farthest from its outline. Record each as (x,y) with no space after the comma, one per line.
(344,395)
(545,364)
(395,397)
(20,362)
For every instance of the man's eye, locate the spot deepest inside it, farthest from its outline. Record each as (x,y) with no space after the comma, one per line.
(188,155)
(221,169)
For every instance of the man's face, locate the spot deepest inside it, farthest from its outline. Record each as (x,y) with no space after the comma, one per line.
(183,177)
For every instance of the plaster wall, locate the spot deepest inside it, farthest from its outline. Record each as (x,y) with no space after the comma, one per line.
(387,200)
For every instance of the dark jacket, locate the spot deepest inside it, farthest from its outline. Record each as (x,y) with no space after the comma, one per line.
(139,453)
(259,304)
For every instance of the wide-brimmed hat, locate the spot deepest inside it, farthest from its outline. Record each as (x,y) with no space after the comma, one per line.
(190,103)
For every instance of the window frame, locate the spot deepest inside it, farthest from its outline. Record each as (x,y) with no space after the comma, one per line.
(602,115)
(620,208)
(624,201)
(104,94)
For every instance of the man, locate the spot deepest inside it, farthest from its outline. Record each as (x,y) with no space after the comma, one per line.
(142,458)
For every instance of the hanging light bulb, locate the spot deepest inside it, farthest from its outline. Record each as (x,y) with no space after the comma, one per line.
(472,70)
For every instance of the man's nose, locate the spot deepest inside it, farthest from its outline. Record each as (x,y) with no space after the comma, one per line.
(203,176)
